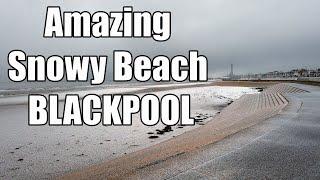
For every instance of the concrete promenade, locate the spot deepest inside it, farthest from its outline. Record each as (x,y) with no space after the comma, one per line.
(286,146)
(274,134)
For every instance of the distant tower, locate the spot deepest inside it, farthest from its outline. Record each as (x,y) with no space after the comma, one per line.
(231,72)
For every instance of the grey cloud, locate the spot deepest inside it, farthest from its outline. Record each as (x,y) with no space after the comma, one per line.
(255,35)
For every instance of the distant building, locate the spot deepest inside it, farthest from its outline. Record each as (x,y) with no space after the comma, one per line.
(231,72)
(292,74)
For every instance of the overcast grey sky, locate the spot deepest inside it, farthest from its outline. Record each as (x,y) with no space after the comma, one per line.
(254,35)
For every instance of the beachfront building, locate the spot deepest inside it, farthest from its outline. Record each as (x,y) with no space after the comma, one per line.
(294,74)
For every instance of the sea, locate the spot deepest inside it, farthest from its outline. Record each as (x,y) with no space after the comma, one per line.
(9,88)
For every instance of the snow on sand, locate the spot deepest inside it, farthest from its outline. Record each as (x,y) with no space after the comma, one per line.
(45,151)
